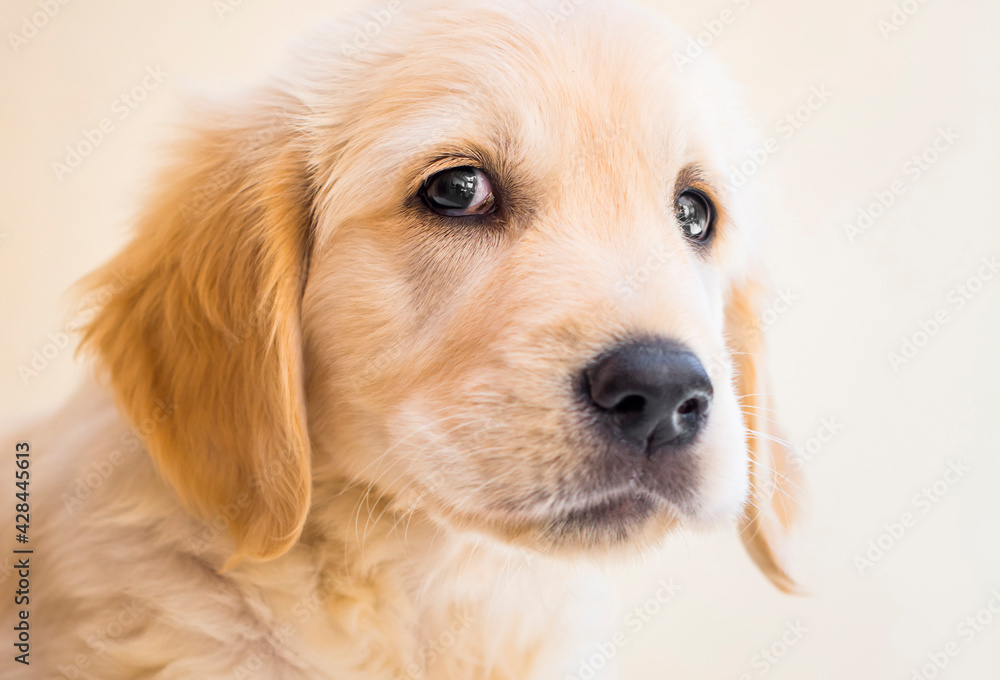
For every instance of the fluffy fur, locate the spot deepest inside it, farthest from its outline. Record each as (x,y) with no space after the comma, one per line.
(331,434)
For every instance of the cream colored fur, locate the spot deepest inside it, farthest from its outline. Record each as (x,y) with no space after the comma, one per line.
(325,433)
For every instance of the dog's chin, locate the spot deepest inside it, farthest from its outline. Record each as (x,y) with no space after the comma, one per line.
(605,524)
(608,523)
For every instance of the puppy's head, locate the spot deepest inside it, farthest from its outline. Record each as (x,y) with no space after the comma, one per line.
(487,262)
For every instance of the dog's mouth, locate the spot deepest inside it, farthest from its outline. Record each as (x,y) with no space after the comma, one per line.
(611,518)
(622,509)
(608,518)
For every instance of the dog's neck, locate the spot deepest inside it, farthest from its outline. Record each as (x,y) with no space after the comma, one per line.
(423,600)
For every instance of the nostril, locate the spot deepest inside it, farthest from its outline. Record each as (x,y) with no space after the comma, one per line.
(650,393)
(633,403)
(688,416)
(689,406)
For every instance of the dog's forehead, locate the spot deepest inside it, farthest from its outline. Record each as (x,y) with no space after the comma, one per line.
(532,82)
(540,76)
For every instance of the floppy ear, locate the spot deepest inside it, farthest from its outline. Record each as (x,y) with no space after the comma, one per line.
(202,319)
(774,485)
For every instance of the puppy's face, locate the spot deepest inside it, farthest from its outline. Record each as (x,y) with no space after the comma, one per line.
(514,317)
(488,267)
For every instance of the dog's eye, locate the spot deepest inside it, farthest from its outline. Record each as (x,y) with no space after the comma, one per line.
(459,191)
(695,214)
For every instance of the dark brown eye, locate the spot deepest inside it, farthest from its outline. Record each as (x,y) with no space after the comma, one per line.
(696,215)
(458,192)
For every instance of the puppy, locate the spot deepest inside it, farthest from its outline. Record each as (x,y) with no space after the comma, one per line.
(408,342)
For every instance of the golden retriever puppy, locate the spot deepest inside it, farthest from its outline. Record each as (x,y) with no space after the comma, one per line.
(408,343)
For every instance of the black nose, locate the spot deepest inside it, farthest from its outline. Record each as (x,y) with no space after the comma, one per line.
(652,393)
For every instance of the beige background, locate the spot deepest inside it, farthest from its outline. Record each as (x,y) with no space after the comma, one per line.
(853,302)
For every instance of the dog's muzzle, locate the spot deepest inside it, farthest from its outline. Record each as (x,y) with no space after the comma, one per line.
(647,400)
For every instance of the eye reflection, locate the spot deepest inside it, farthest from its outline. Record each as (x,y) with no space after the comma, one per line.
(458,192)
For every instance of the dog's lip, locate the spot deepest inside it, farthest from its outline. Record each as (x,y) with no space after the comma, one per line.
(624,507)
